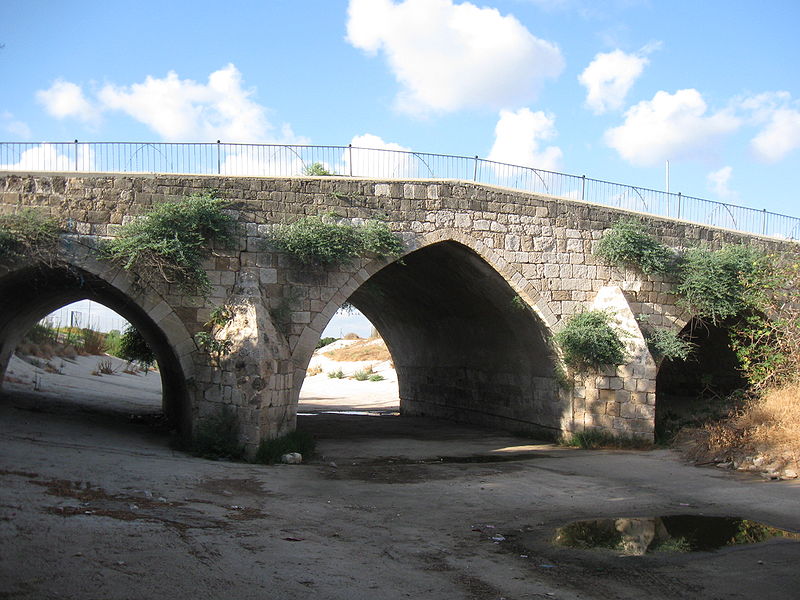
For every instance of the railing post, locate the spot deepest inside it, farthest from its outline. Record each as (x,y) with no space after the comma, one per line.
(350,159)
(679,206)
(219,160)
(763,221)
(76,156)
(475,171)
(583,187)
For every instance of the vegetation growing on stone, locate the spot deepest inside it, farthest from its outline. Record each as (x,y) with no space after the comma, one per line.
(718,284)
(322,241)
(628,243)
(28,234)
(316,170)
(588,340)
(170,242)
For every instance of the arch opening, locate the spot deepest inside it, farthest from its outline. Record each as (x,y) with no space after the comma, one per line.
(30,294)
(702,388)
(464,347)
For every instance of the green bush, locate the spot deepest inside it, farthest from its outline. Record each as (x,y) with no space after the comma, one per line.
(316,170)
(171,241)
(589,340)
(28,234)
(628,244)
(716,285)
(317,240)
(325,341)
(133,347)
(361,375)
(376,377)
(218,436)
(270,451)
(667,344)
(338,374)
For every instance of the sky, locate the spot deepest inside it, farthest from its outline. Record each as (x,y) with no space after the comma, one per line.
(611,89)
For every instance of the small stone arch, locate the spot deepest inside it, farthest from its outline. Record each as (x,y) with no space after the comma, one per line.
(29,291)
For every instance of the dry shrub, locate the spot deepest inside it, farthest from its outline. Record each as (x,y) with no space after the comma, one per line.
(768,425)
(360,350)
(69,351)
(311,371)
(351,336)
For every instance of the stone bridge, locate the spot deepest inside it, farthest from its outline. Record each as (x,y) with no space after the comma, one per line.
(468,313)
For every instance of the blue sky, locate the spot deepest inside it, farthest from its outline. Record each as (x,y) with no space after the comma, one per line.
(607,89)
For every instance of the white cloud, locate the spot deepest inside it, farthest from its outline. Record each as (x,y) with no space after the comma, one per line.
(449,56)
(609,77)
(779,137)
(719,181)
(182,109)
(369,158)
(14,126)
(670,126)
(518,138)
(65,99)
(48,157)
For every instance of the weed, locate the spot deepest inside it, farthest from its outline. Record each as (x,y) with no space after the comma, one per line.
(311,371)
(628,244)
(376,377)
(105,366)
(592,439)
(270,451)
(338,374)
(588,340)
(218,436)
(170,242)
(316,170)
(28,234)
(318,240)
(362,374)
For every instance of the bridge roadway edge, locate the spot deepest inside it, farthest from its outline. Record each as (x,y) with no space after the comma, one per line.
(541,248)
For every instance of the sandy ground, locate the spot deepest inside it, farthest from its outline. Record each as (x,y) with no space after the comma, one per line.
(95,505)
(322,393)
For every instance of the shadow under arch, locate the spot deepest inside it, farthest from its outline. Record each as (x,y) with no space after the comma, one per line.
(30,293)
(464,347)
(698,389)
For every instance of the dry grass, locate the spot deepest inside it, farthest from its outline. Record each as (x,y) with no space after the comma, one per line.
(769,425)
(311,371)
(360,350)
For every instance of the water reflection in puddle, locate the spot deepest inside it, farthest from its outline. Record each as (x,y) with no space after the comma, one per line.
(681,533)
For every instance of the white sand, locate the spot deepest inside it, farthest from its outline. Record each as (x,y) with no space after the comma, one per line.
(321,392)
(134,393)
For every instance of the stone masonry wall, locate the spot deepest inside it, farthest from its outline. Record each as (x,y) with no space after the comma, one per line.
(543,248)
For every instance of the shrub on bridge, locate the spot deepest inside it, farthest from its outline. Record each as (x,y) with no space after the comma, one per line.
(28,234)
(321,241)
(171,241)
(627,243)
(588,340)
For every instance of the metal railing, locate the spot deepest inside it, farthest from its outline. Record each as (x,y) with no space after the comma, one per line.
(287,160)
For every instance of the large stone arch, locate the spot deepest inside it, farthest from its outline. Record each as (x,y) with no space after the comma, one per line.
(30,291)
(464,347)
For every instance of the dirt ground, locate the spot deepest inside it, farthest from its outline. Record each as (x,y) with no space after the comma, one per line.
(95,505)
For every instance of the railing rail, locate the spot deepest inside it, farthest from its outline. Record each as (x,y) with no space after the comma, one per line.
(350,161)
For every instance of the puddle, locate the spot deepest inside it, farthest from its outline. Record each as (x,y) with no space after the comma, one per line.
(680,533)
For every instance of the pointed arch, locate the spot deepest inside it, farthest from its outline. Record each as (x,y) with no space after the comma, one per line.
(29,292)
